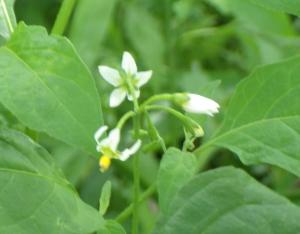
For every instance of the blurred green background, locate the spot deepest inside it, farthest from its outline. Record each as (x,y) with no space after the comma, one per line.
(199,46)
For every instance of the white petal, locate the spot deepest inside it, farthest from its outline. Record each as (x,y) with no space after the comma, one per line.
(99,133)
(117,97)
(111,75)
(201,105)
(98,148)
(143,77)
(104,143)
(114,138)
(136,93)
(132,150)
(128,64)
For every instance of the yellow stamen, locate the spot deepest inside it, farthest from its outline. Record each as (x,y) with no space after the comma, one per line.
(104,163)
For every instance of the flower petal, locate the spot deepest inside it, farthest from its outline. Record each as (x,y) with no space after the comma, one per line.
(114,138)
(201,105)
(136,93)
(117,97)
(132,150)
(99,133)
(143,77)
(128,64)
(111,75)
(98,148)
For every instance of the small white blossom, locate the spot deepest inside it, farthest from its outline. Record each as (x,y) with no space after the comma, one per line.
(108,147)
(198,104)
(112,76)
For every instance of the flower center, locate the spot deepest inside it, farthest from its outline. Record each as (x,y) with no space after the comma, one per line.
(109,152)
(104,163)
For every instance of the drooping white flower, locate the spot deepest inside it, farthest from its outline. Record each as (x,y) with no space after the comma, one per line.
(195,103)
(112,76)
(108,147)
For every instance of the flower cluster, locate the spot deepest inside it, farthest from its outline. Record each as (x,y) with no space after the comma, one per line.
(128,82)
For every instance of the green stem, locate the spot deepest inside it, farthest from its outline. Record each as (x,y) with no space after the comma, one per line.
(63,17)
(189,123)
(153,132)
(124,118)
(159,97)
(136,173)
(136,191)
(127,211)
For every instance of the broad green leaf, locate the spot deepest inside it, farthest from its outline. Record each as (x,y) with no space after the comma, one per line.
(7,18)
(73,162)
(288,6)
(175,170)
(105,197)
(35,197)
(90,22)
(262,124)
(47,87)
(227,200)
(144,33)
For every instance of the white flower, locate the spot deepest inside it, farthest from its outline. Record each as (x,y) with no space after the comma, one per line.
(198,104)
(108,147)
(112,76)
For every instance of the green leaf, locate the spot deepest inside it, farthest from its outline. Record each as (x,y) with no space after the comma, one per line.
(7,18)
(175,170)
(35,197)
(89,27)
(262,19)
(288,6)
(144,33)
(262,124)
(112,227)
(227,200)
(105,197)
(48,88)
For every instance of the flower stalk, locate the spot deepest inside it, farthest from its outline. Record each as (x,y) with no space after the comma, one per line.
(63,17)
(128,211)
(189,123)
(136,173)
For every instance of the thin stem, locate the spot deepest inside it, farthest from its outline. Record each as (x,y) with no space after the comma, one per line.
(189,123)
(127,211)
(124,118)
(63,17)
(159,97)
(162,143)
(136,173)
(136,191)
(155,134)
(7,18)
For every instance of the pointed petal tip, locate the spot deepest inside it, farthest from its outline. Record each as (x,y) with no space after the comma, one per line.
(117,97)
(100,132)
(128,63)
(143,77)
(130,151)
